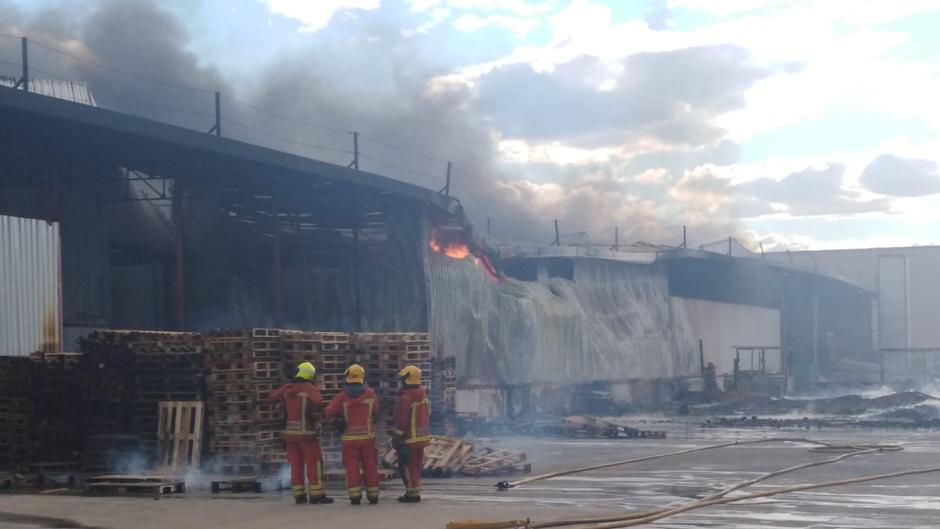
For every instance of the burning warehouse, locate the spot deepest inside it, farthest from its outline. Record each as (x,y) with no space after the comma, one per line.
(165,228)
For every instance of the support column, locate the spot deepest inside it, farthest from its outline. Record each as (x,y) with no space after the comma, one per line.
(278,277)
(179,232)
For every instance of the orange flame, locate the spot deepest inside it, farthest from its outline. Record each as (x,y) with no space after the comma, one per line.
(458,250)
(453,249)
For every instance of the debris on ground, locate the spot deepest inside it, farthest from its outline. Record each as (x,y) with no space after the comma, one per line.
(592,427)
(494,462)
(448,456)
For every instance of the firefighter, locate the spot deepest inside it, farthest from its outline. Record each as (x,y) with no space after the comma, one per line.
(355,406)
(412,431)
(303,403)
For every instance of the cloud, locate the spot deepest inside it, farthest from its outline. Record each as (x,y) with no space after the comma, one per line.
(315,14)
(671,96)
(901,177)
(812,192)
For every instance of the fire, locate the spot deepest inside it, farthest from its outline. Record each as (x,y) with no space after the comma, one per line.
(457,249)
(453,249)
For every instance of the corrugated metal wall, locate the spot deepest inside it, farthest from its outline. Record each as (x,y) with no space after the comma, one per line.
(611,321)
(30,299)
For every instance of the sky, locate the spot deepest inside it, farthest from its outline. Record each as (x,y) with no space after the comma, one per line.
(791,124)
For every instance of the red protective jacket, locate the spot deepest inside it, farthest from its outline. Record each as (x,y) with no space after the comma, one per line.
(357,413)
(302,401)
(413,418)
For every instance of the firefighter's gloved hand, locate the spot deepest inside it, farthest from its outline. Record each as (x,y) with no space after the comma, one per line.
(339,425)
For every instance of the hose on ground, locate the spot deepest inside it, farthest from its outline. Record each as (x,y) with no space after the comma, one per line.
(505,485)
(773,492)
(719,494)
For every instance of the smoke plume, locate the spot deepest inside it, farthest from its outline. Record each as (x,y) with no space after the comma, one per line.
(364,73)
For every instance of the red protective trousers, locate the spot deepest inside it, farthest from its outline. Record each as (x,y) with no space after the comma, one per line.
(361,453)
(304,456)
(413,467)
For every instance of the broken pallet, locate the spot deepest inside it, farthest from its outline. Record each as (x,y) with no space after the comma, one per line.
(493,462)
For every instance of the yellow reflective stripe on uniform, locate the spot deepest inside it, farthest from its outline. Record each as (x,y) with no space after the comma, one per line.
(357,437)
(415,438)
(298,432)
(396,431)
(370,434)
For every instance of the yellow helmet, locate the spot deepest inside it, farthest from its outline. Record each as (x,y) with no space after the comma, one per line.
(306,371)
(410,375)
(355,374)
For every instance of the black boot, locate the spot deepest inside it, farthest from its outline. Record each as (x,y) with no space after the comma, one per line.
(373,500)
(409,499)
(355,501)
(300,500)
(321,499)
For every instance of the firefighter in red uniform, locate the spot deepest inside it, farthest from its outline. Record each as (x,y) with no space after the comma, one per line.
(412,431)
(303,402)
(357,404)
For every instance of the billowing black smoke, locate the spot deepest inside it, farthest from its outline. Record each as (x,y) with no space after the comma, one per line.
(358,74)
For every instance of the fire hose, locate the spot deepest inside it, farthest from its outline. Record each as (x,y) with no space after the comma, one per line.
(505,485)
(714,499)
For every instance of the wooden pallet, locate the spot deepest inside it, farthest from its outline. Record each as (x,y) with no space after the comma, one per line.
(135,484)
(179,434)
(493,462)
(242,484)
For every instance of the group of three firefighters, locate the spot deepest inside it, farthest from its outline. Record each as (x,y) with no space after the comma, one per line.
(353,408)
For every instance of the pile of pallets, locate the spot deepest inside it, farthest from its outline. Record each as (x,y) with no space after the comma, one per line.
(15,409)
(242,368)
(444,396)
(55,430)
(168,366)
(104,371)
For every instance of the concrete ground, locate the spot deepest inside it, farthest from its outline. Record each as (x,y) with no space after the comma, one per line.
(912,502)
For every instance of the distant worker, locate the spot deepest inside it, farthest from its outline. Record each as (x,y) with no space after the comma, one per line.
(303,403)
(356,405)
(412,432)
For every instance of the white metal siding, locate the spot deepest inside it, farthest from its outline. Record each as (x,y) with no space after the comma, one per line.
(30,300)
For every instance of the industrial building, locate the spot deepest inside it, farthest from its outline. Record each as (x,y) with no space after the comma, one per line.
(165,228)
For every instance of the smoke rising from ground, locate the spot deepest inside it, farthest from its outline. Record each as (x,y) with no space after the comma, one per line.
(363,73)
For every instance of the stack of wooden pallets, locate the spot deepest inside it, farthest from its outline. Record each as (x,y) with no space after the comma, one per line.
(242,367)
(15,409)
(103,374)
(168,366)
(55,428)
(444,396)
